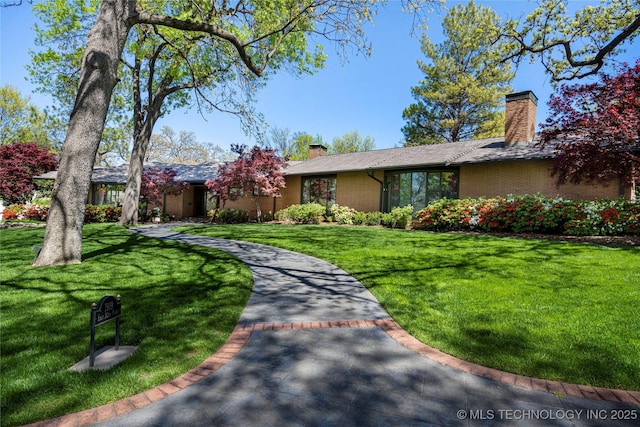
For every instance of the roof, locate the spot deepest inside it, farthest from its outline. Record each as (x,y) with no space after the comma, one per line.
(193,174)
(450,154)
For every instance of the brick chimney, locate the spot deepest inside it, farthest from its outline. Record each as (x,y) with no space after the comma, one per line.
(316,150)
(520,117)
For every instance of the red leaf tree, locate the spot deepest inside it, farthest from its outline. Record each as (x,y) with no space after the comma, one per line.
(19,163)
(256,172)
(158,182)
(596,130)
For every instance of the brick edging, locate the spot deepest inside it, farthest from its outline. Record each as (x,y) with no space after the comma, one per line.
(576,390)
(243,331)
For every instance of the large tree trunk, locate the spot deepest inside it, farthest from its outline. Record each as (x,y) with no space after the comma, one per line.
(136,164)
(134,174)
(98,76)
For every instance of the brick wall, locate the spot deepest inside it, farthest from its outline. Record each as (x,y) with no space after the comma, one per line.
(291,193)
(359,191)
(530,177)
(174,204)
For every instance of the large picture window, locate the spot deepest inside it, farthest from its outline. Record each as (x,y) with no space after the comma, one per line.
(419,188)
(108,194)
(319,189)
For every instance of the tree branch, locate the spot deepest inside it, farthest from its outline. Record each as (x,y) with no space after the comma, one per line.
(597,61)
(239,45)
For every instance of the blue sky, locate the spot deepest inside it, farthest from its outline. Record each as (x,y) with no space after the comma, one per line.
(363,94)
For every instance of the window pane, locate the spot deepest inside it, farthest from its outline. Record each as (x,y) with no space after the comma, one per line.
(320,190)
(450,185)
(418,190)
(405,189)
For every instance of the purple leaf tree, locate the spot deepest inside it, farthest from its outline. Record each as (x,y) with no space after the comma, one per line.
(255,173)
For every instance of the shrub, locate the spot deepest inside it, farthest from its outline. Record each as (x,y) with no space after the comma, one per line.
(12,212)
(373,218)
(359,218)
(102,213)
(343,214)
(449,214)
(533,213)
(228,216)
(308,213)
(605,217)
(35,212)
(401,217)
(386,220)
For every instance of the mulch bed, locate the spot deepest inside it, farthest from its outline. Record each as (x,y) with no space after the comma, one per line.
(611,241)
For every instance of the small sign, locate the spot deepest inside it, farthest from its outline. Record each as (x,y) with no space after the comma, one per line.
(108,308)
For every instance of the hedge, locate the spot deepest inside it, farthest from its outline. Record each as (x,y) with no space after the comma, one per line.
(33,212)
(533,214)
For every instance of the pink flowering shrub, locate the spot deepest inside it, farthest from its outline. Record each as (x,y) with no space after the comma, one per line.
(533,214)
(34,212)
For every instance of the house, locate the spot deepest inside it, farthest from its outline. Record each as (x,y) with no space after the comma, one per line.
(107,187)
(380,180)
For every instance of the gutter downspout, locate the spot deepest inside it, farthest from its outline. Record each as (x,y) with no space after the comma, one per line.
(371,174)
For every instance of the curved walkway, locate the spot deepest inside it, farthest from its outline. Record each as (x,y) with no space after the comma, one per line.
(314,347)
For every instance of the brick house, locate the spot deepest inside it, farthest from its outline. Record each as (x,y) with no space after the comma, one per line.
(380,180)
(107,187)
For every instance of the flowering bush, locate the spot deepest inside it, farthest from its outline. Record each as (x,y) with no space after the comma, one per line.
(343,214)
(13,212)
(25,212)
(533,213)
(102,213)
(401,217)
(605,217)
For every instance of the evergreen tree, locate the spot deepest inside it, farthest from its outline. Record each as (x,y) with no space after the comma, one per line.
(462,94)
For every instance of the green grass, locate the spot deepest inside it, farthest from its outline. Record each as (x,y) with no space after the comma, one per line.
(179,305)
(553,310)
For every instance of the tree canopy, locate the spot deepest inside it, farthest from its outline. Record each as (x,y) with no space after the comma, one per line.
(257,172)
(158,182)
(573,45)
(462,94)
(183,147)
(264,36)
(351,142)
(21,120)
(595,129)
(19,163)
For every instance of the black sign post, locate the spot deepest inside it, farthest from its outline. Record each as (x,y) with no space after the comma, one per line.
(108,308)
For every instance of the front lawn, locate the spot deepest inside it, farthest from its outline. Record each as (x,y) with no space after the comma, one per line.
(555,310)
(179,305)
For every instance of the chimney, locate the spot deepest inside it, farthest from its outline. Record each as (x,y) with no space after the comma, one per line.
(316,150)
(520,117)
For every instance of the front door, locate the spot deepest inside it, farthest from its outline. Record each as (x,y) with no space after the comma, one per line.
(199,201)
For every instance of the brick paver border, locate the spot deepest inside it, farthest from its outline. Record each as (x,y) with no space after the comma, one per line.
(242,332)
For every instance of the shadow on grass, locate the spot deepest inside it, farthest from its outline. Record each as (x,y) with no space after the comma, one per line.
(541,308)
(179,304)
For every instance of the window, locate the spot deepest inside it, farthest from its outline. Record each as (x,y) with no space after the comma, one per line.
(319,189)
(419,188)
(108,194)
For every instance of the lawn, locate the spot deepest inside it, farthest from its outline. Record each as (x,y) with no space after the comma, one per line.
(179,305)
(568,312)
(555,310)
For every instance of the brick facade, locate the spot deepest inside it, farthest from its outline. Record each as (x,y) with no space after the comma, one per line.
(525,177)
